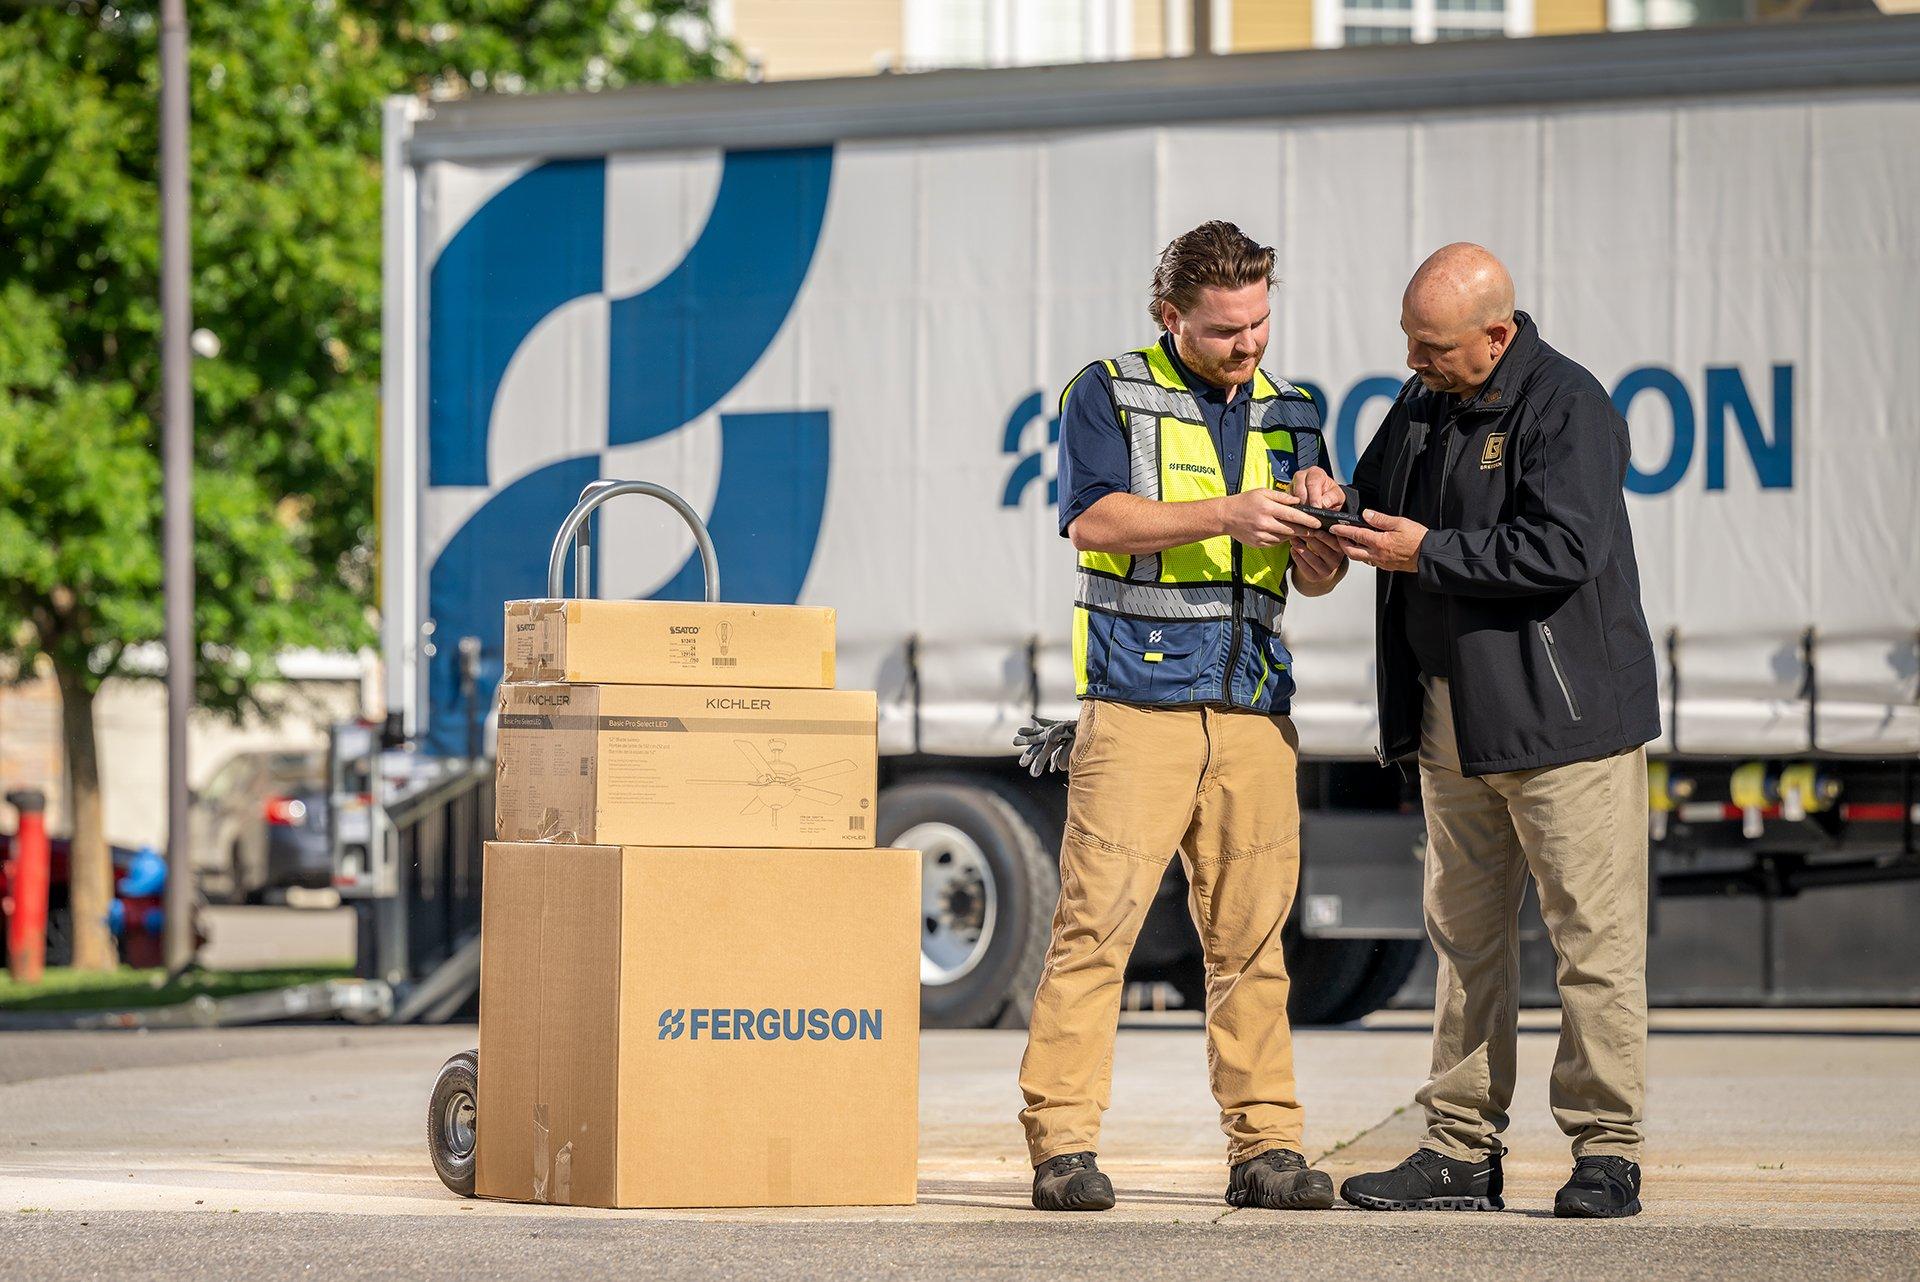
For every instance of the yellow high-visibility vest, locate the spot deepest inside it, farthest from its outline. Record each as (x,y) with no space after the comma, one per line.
(1197,624)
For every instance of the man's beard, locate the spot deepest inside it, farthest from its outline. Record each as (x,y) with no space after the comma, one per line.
(1223,373)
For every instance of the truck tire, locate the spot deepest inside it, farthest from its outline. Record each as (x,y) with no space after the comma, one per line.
(452,1112)
(1393,963)
(988,885)
(1336,981)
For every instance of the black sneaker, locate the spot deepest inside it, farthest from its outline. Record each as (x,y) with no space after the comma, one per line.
(1430,1181)
(1071,1182)
(1280,1180)
(1602,1188)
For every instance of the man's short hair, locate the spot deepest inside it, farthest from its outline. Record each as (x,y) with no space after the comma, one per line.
(1215,255)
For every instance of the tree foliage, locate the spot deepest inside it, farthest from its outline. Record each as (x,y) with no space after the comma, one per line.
(286,116)
(286,98)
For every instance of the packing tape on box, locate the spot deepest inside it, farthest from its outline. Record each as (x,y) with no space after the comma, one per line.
(539,1152)
(552,1180)
(553,828)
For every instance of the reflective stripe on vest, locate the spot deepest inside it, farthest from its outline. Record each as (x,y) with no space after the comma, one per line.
(1195,586)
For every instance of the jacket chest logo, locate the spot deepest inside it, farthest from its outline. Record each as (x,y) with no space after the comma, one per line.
(1494,453)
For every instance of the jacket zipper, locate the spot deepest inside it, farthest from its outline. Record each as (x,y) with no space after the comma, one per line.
(1398,483)
(1446,600)
(1396,498)
(1396,493)
(1233,645)
(1553,661)
(1439,515)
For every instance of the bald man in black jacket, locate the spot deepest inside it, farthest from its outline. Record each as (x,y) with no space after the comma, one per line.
(1514,662)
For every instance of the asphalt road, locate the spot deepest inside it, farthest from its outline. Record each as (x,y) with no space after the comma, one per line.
(1781,1146)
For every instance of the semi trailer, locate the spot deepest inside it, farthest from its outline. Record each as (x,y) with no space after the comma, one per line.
(837,316)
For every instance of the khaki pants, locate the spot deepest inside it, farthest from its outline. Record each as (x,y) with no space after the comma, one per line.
(1580,830)
(1218,787)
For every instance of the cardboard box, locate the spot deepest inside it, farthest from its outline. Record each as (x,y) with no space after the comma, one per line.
(674,1028)
(667,643)
(686,765)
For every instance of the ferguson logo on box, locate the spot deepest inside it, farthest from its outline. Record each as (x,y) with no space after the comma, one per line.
(741,1024)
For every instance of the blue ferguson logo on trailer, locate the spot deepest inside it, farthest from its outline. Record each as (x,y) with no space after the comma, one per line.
(1726,408)
(675,350)
(769,1024)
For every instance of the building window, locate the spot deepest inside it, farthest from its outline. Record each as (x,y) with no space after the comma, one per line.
(1376,22)
(1636,15)
(1014,33)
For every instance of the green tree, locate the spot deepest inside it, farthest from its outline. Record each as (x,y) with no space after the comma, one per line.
(286,98)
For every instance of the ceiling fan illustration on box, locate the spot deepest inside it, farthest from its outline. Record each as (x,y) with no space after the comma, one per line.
(777,782)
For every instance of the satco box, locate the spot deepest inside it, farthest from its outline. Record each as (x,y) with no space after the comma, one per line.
(670,643)
(686,765)
(675,1028)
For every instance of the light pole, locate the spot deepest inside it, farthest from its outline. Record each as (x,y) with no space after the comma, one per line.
(176,419)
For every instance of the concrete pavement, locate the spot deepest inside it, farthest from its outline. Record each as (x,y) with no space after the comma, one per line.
(1780,1144)
(250,937)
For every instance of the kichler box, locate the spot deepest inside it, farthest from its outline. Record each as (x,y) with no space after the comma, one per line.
(686,765)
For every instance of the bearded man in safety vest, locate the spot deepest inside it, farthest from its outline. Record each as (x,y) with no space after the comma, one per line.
(1175,463)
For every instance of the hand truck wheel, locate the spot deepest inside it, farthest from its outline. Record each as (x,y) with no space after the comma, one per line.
(452,1114)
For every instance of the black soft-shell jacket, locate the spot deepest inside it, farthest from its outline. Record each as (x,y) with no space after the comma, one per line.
(1533,560)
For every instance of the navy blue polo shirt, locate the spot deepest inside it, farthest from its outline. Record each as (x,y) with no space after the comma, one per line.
(1094,460)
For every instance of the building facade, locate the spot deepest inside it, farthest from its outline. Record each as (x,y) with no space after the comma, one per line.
(788,39)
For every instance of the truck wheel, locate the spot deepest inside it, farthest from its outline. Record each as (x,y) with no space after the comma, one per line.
(1336,981)
(987,888)
(452,1115)
(1393,962)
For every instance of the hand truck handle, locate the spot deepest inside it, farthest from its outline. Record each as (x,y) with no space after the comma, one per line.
(579,526)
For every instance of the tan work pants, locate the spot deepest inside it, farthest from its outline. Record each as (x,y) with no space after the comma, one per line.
(1580,830)
(1218,787)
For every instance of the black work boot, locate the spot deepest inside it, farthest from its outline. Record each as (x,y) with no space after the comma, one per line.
(1280,1180)
(1602,1188)
(1071,1182)
(1430,1181)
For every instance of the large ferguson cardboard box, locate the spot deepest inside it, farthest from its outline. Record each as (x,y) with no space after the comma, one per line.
(686,765)
(670,643)
(675,1028)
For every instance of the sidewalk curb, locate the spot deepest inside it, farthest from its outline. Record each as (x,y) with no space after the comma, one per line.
(361,1000)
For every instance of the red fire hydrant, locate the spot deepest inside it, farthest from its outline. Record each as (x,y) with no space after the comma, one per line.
(27,875)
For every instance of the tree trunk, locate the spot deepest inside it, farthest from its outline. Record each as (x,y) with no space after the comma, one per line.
(90,879)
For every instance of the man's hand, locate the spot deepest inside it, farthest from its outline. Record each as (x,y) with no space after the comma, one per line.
(1318,563)
(1391,542)
(1263,518)
(1317,486)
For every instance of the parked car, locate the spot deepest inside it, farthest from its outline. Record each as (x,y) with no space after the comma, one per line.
(59,899)
(259,826)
